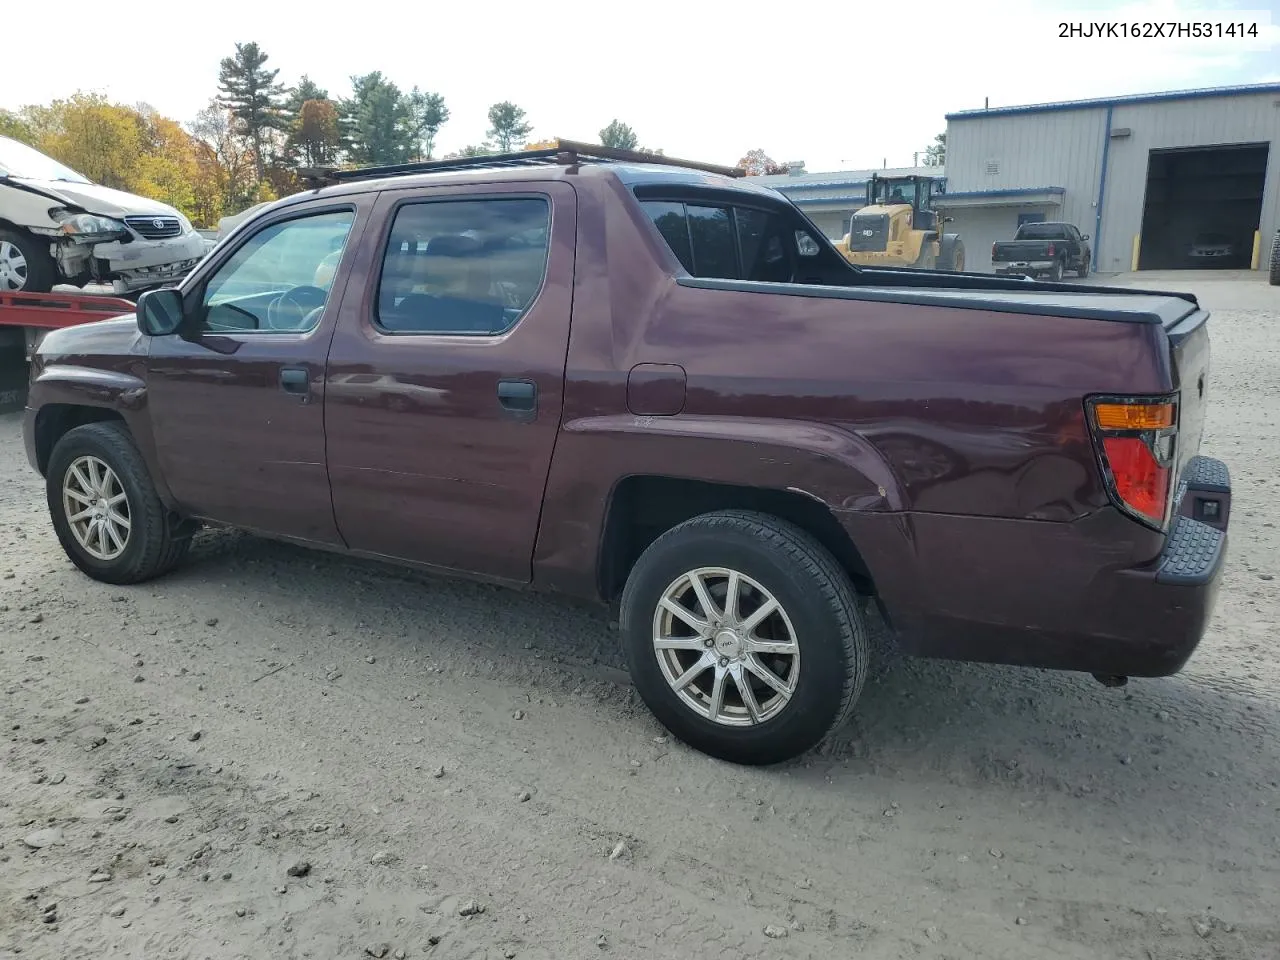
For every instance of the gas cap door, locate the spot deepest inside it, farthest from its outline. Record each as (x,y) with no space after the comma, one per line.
(656,389)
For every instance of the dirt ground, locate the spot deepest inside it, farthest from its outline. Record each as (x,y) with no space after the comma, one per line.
(453,771)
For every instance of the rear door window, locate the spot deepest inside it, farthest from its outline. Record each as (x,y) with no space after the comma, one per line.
(463,267)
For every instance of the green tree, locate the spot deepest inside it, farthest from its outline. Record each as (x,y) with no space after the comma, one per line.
(102,140)
(249,90)
(619,136)
(167,168)
(307,89)
(935,155)
(428,114)
(378,126)
(507,125)
(14,126)
(471,150)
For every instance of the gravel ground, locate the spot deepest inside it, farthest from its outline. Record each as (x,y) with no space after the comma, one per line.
(277,753)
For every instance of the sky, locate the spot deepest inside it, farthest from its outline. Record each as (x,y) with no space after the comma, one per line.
(838,85)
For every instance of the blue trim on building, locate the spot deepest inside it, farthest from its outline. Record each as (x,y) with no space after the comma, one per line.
(826,185)
(1198,94)
(1019,192)
(1102,193)
(813,201)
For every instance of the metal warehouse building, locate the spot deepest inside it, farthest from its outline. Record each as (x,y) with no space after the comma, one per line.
(1145,176)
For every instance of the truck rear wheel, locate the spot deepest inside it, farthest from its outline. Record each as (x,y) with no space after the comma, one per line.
(1275,260)
(744,637)
(25,264)
(105,510)
(1055,274)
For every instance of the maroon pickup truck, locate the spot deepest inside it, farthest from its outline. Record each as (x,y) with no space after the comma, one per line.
(660,387)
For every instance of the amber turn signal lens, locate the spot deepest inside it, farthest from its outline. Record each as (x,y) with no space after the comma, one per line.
(1133,416)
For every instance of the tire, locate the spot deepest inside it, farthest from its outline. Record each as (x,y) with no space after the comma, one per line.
(1275,261)
(951,254)
(25,264)
(1056,273)
(819,613)
(1083,272)
(154,542)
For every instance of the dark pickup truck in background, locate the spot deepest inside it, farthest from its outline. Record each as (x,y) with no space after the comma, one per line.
(1044,249)
(662,389)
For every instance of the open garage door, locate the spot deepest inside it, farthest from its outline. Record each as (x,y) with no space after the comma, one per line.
(1202,207)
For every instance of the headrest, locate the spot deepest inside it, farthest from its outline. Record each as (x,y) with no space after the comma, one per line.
(452,245)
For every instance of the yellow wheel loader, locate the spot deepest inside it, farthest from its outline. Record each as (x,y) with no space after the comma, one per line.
(899,227)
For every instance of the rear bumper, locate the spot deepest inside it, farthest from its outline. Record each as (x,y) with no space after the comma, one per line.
(1025,267)
(1100,595)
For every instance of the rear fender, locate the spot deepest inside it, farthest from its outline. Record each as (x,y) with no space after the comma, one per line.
(819,461)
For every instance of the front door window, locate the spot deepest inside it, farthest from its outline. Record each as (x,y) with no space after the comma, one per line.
(279,280)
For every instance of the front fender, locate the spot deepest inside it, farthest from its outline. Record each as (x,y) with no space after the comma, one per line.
(832,466)
(63,395)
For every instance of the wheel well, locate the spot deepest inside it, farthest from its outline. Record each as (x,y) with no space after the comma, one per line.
(55,420)
(642,508)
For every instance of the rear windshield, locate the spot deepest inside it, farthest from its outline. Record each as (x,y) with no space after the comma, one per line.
(1042,231)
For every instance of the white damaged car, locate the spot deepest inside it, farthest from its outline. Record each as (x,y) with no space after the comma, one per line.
(57,227)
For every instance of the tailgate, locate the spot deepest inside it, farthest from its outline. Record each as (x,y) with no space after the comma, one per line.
(1018,250)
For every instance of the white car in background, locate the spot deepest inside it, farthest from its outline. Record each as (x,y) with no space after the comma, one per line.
(57,227)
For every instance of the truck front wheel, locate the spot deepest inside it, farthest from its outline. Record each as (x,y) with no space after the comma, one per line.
(744,637)
(105,509)
(25,264)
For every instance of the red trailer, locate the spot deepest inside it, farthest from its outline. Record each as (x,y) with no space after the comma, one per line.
(26,317)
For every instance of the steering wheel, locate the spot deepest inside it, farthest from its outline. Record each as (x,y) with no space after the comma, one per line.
(295,308)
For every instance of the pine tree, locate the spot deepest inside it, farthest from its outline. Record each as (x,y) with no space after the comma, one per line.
(249,90)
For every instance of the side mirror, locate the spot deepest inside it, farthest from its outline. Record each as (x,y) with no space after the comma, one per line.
(160,312)
(1084,236)
(948,219)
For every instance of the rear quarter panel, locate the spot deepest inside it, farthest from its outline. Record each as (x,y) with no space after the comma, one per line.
(871,407)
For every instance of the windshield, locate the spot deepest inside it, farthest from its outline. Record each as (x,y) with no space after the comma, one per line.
(887,191)
(19,160)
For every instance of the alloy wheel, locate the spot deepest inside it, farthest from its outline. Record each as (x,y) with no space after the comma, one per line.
(726,647)
(96,507)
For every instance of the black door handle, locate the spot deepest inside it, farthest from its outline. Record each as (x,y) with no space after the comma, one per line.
(295,380)
(518,396)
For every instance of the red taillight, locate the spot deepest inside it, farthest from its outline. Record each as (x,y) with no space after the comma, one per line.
(1137,440)
(993,251)
(1052,248)
(1140,482)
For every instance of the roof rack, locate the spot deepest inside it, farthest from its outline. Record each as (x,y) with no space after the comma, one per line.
(568,153)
